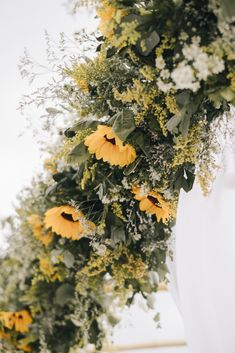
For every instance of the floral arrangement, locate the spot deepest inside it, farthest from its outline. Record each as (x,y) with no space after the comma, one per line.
(144,116)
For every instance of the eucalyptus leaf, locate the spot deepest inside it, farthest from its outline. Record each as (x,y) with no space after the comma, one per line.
(118,234)
(93,332)
(184,179)
(51,189)
(147,43)
(124,124)
(143,142)
(188,105)
(64,294)
(79,154)
(68,259)
(162,271)
(182,98)
(80,126)
(53,111)
(228,7)
(185,120)
(132,167)
(173,123)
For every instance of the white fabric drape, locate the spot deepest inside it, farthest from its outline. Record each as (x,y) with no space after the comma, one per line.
(203,271)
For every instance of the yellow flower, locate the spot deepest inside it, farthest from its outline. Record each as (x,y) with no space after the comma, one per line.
(83,85)
(106,25)
(19,320)
(7,319)
(49,164)
(48,270)
(153,203)
(38,229)
(22,321)
(24,347)
(107,146)
(68,222)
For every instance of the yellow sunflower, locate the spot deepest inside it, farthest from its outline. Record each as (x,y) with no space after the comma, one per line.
(7,318)
(38,229)
(68,222)
(22,321)
(107,146)
(153,203)
(19,320)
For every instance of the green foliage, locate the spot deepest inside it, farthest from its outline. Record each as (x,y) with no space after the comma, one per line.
(123,124)
(164,106)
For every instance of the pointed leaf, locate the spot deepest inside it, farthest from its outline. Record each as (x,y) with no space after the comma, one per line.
(124,124)
(79,154)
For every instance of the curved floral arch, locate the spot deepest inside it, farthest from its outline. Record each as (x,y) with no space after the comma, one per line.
(95,230)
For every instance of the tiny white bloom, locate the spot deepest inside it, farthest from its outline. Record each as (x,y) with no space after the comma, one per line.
(160,62)
(165,74)
(184,77)
(183,36)
(201,64)
(164,87)
(216,64)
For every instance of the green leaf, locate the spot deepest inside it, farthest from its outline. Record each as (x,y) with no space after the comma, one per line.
(101,190)
(68,259)
(162,271)
(53,111)
(116,228)
(79,154)
(118,234)
(188,105)
(186,114)
(148,42)
(182,98)
(94,332)
(227,94)
(124,124)
(228,7)
(29,339)
(143,142)
(51,189)
(64,294)
(184,179)
(172,124)
(132,167)
(80,126)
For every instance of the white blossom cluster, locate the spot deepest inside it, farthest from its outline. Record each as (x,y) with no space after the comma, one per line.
(197,66)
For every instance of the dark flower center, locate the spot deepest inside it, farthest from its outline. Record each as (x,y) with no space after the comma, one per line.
(68,217)
(112,141)
(154,200)
(20,317)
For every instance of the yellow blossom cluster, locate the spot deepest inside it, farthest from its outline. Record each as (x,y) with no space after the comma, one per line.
(188,147)
(88,175)
(51,273)
(139,93)
(117,210)
(123,264)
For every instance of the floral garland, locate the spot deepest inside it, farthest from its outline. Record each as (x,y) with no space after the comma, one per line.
(95,231)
